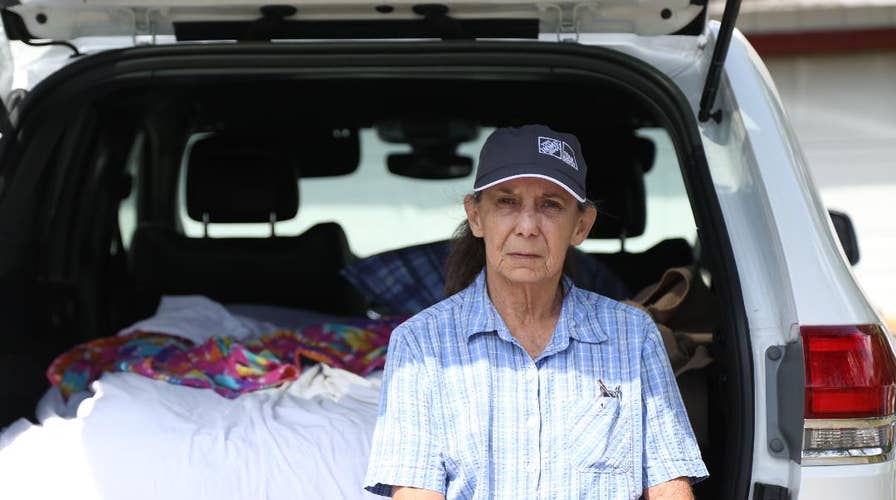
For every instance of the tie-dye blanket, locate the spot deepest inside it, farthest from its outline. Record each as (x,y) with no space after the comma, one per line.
(227,366)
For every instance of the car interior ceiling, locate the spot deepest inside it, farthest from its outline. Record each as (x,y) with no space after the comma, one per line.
(87,286)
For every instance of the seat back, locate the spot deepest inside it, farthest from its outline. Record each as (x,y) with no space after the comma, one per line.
(237,181)
(616,183)
(241,178)
(637,270)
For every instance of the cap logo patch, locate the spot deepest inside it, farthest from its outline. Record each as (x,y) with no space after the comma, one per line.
(558,149)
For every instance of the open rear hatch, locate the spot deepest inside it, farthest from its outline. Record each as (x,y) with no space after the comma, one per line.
(316,19)
(62,21)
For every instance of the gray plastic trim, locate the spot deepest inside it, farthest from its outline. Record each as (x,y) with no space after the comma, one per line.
(784,395)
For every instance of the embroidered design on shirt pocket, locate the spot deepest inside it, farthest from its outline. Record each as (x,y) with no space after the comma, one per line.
(599,436)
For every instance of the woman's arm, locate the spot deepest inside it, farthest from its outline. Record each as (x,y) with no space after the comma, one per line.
(670,449)
(675,489)
(407,441)
(406,493)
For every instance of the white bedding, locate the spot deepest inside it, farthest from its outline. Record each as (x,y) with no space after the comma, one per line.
(198,318)
(139,438)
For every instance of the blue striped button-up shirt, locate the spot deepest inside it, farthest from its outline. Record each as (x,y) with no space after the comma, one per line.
(468,413)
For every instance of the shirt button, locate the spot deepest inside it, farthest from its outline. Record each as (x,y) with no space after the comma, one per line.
(532,376)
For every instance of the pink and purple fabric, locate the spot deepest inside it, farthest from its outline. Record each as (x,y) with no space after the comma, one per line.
(227,366)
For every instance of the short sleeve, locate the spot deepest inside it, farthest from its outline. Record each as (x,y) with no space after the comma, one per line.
(670,449)
(406,447)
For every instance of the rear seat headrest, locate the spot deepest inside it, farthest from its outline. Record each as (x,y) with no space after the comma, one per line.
(241,178)
(616,182)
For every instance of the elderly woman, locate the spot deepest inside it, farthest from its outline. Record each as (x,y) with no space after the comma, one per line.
(521,385)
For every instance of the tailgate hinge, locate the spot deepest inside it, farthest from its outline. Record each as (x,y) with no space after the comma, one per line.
(144,27)
(567,27)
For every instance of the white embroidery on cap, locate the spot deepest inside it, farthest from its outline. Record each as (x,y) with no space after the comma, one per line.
(558,149)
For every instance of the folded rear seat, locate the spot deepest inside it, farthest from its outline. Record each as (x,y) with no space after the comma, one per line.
(234,180)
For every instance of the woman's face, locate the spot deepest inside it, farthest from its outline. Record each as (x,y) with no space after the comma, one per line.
(527,225)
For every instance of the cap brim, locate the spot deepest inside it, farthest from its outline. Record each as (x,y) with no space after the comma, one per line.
(537,176)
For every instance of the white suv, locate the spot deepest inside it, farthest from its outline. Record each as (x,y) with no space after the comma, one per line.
(384,104)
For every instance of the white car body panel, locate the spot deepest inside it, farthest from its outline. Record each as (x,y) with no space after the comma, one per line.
(863,482)
(791,267)
(828,293)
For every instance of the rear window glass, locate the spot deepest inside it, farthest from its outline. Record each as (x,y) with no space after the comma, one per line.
(380,211)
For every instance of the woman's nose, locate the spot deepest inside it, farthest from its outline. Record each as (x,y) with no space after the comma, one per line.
(527,222)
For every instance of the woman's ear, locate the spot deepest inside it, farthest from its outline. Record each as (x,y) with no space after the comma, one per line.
(584,225)
(471,206)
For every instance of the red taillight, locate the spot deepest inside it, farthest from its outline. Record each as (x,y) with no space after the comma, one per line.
(850,372)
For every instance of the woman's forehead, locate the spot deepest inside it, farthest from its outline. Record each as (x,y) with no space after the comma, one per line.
(530,186)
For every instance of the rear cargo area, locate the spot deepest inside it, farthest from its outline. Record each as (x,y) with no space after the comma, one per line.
(248,195)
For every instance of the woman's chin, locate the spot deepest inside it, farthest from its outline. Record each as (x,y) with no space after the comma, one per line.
(523,275)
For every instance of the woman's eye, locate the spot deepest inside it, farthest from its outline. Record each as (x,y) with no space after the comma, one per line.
(506,201)
(550,204)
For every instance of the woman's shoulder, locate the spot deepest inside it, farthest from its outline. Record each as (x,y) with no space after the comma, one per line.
(601,303)
(434,324)
(612,315)
(440,311)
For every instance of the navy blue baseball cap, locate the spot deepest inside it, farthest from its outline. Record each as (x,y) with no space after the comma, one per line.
(532,151)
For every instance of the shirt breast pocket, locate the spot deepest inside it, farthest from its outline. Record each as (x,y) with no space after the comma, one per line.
(599,438)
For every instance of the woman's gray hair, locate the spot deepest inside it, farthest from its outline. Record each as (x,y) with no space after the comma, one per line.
(467,255)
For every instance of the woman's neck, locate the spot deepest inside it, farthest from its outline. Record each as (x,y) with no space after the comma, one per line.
(530,310)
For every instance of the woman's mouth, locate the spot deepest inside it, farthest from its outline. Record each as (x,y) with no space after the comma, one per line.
(521,255)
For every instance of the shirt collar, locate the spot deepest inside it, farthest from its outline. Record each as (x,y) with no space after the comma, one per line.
(574,321)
